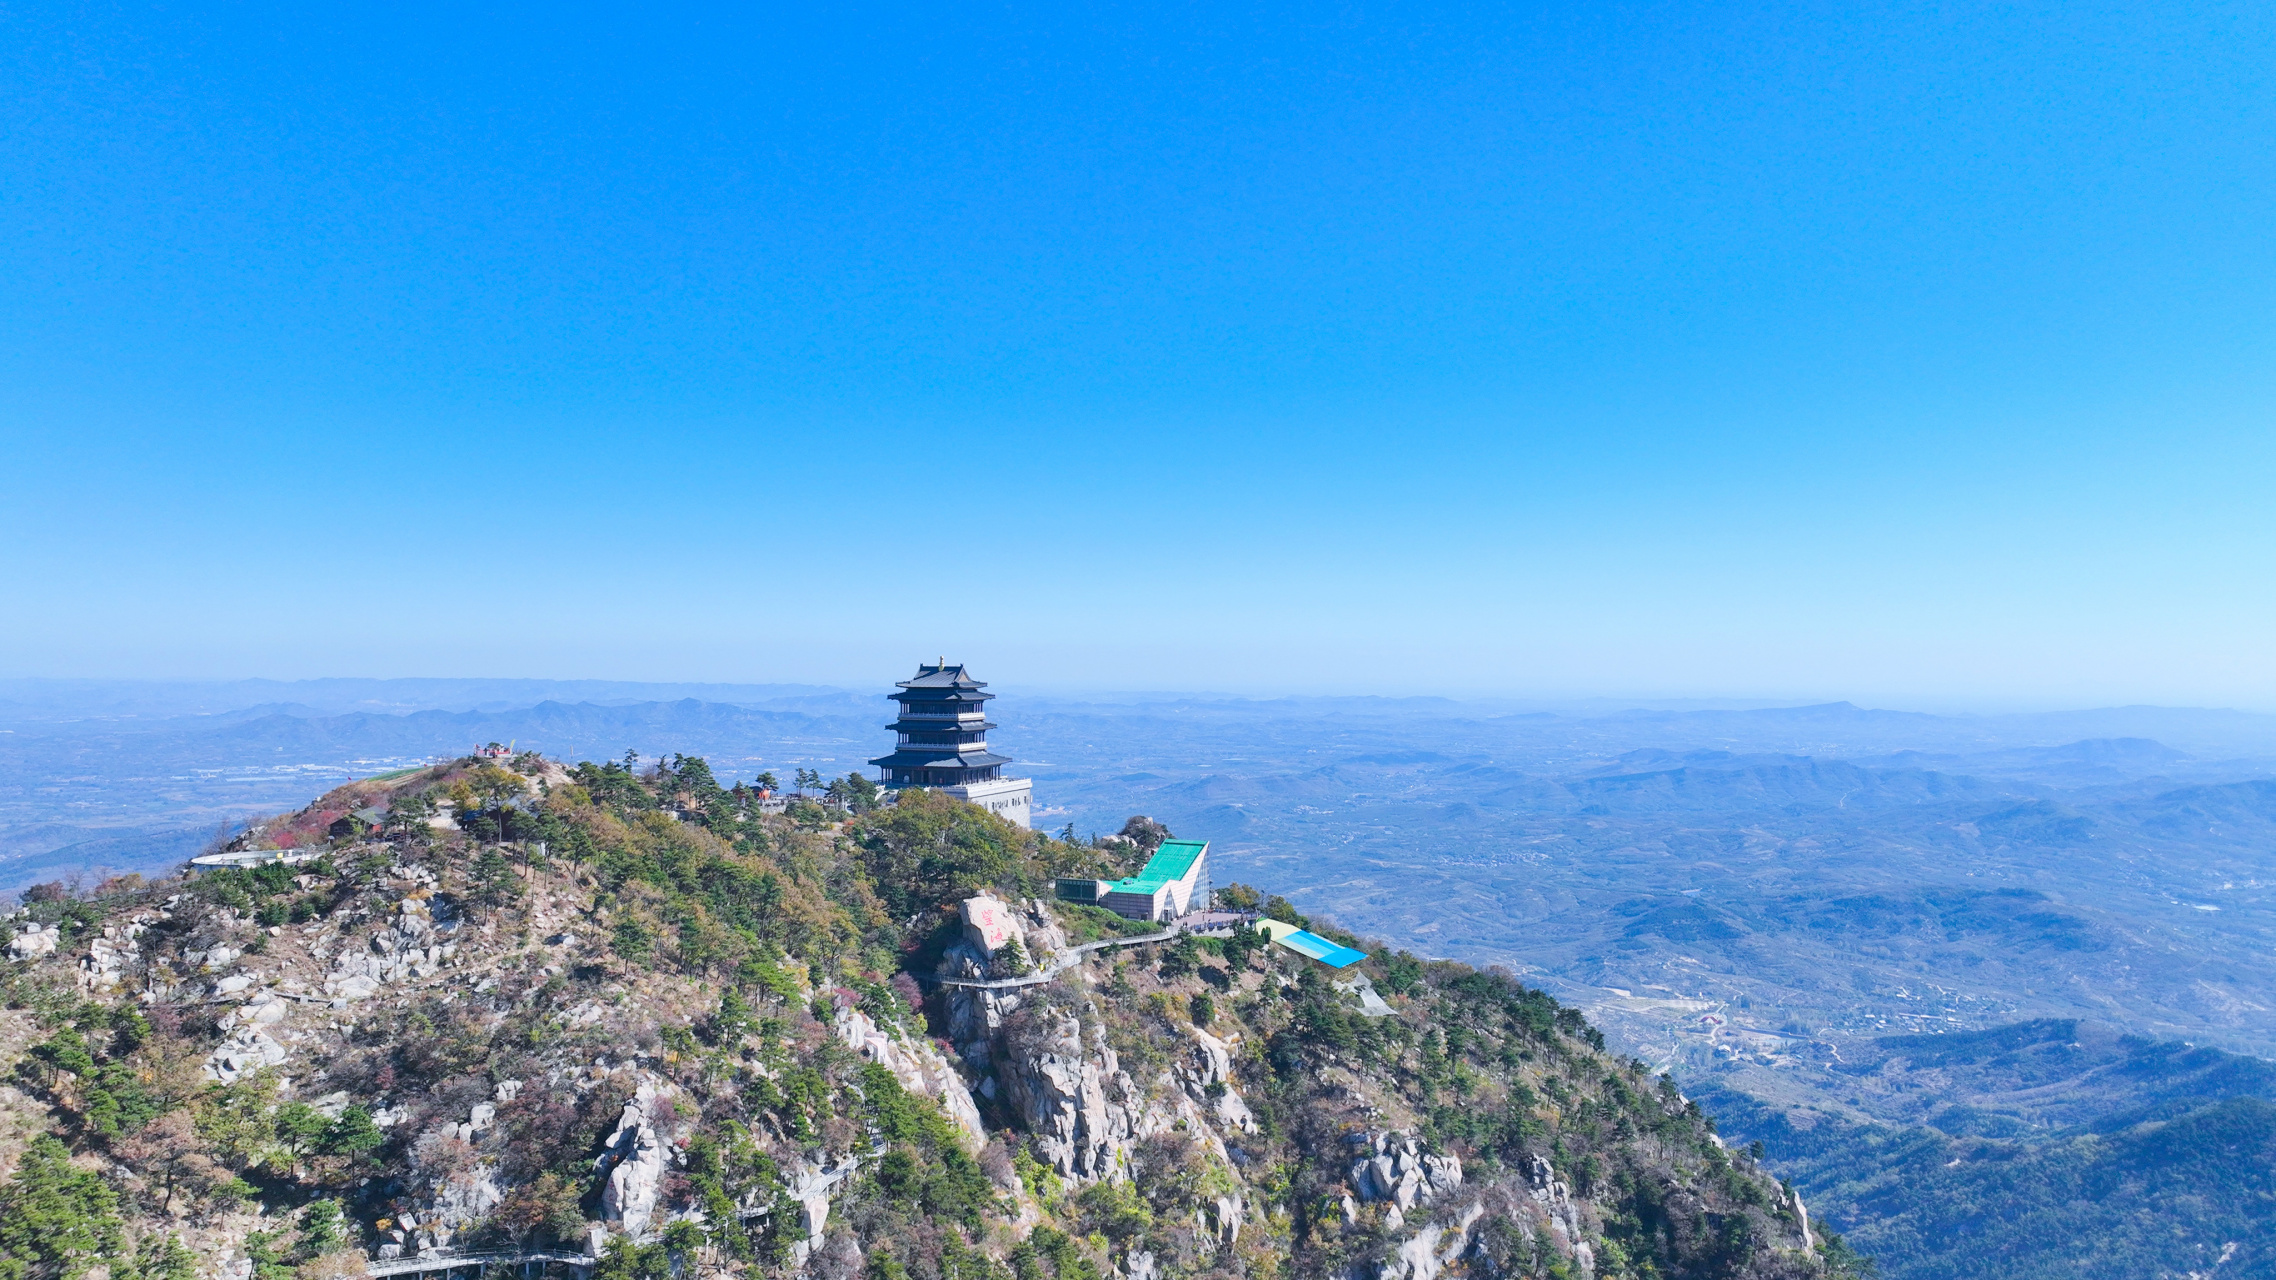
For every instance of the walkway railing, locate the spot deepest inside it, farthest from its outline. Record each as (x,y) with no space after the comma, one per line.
(1073,956)
(480,1263)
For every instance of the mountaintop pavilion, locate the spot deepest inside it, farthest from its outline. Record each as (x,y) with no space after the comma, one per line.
(941,743)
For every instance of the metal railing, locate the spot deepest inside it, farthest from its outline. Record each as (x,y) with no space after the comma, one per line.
(481,1262)
(1073,956)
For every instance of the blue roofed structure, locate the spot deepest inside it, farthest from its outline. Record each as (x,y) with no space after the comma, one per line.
(1311,945)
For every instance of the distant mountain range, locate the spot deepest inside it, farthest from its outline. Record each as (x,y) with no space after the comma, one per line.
(27,699)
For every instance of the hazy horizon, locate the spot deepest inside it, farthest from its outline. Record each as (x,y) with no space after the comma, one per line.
(1500,700)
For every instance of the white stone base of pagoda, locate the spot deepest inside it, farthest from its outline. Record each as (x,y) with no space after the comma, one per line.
(1007,798)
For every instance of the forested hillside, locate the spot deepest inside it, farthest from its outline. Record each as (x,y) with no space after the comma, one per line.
(622,1017)
(2044,1149)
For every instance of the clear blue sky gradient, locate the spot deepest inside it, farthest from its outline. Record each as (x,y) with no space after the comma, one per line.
(1913,354)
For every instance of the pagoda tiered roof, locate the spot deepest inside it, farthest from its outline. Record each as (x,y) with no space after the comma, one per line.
(946,678)
(937,687)
(939,758)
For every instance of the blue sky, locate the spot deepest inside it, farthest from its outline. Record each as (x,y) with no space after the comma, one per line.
(1919,355)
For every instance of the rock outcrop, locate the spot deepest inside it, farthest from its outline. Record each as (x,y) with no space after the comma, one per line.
(1074,1097)
(1555,1209)
(917,1065)
(1431,1250)
(1394,1168)
(247,1050)
(976,1014)
(1227,1214)
(636,1158)
(34,939)
(103,968)
(1207,1074)
(411,946)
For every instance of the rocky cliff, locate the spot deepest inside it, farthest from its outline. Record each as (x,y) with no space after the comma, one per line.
(635,1022)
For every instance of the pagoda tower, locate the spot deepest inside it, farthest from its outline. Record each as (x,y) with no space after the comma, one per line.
(941,742)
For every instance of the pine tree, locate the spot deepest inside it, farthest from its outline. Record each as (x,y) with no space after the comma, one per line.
(164,1258)
(56,1219)
(494,881)
(321,1230)
(352,1134)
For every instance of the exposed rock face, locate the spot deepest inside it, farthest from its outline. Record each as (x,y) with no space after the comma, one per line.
(410,947)
(1432,1249)
(1073,1095)
(34,940)
(1398,1171)
(629,1200)
(636,1160)
(456,1189)
(975,1014)
(1207,1075)
(1540,1207)
(809,1189)
(264,1009)
(459,1204)
(1057,1072)
(483,1115)
(1045,940)
(103,968)
(1392,1169)
(990,924)
(1371,1003)
(813,1215)
(1553,1202)
(216,957)
(918,1066)
(247,1050)
(1227,1216)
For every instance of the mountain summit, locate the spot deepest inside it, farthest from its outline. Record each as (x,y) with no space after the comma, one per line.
(620,1022)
